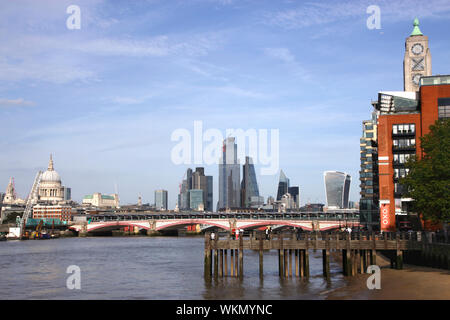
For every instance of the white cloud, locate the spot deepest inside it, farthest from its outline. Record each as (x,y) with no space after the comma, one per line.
(19,102)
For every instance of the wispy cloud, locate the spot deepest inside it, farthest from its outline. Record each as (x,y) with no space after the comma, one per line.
(318,13)
(19,102)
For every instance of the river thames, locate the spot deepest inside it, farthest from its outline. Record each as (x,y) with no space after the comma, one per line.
(162,268)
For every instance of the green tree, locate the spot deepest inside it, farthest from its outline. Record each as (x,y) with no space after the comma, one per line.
(428,181)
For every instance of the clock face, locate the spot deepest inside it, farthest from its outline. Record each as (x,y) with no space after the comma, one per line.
(417,48)
(416,78)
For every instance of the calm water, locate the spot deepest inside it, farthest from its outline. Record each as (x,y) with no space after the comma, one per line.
(145,268)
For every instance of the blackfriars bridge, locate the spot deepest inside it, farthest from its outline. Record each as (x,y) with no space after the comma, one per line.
(306,221)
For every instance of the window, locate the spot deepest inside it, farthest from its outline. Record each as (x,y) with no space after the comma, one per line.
(443,108)
(444,112)
(404,128)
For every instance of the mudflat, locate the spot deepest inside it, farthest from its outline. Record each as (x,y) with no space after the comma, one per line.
(411,283)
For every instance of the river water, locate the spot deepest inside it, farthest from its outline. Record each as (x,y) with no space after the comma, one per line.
(146,268)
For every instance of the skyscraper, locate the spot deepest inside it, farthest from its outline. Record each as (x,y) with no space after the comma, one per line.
(249,185)
(229,176)
(283,185)
(161,199)
(201,182)
(295,193)
(198,181)
(337,189)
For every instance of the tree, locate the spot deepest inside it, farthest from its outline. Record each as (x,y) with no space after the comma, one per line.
(428,180)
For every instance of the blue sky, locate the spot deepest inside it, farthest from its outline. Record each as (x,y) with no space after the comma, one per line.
(105,99)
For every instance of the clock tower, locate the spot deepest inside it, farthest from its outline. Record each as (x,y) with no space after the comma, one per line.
(417,61)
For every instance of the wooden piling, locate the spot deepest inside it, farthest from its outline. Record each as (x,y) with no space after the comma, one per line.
(236,262)
(221,263)
(326,262)
(296,263)
(225,258)
(261,256)
(232,262)
(306,267)
(216,263)
(207,260)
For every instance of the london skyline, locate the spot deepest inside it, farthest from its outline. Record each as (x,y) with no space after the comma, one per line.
(230,64)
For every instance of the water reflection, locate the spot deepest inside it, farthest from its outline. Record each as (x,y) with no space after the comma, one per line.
(146,268)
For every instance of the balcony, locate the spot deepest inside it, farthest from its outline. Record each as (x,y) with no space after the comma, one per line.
(404,148)
(398,134)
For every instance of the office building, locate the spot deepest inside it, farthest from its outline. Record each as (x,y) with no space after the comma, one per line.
(337,189)
(101,200)
(196,199)
(294,191)
(229,176)
(249,185)
(283,185)
(199,181)
(161,200)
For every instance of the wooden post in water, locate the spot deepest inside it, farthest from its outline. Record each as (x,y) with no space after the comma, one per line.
(296,263)
(281,256)
(302,262)
(221,263)
(232,262)
(236,262)
(326,257)
(261,254)
(225,258)
(207,260)
(286,274)
(306,257)
(241,255)
(216,263)
(290,262)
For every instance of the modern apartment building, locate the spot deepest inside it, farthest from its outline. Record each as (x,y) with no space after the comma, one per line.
(368,176)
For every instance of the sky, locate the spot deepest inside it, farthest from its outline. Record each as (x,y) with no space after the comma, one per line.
(105,99)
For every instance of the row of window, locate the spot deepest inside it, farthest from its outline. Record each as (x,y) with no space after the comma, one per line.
(402,158)
(404,143)
(403,128)
(400,173)
(444,112)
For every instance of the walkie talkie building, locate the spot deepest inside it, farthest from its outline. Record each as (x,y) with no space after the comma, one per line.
(337,189)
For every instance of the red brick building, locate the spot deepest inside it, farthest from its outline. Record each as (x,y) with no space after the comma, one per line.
(404,118)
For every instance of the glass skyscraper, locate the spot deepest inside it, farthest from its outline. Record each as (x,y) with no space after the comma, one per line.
(161,199)
(198,181)
(229,176)
(283,185)
(195,198)
(337,189)
(249,185)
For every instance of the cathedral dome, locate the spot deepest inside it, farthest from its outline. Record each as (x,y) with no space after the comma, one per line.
(50,175)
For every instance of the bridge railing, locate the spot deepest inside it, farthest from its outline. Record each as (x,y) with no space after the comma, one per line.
(277,216)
